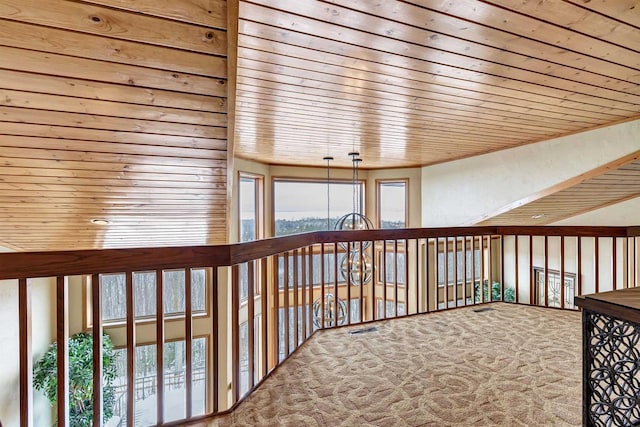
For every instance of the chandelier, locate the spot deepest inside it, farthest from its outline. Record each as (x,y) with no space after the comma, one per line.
(356,264)
(329,316)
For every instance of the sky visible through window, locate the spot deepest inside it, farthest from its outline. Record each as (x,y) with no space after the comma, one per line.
(301,206)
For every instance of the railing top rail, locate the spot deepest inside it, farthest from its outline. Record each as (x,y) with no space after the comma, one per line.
(16,265)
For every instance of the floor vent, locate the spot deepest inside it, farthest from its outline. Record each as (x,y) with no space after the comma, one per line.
(363,331)
(482,310)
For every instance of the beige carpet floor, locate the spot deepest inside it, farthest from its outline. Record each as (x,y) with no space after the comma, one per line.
(508,366)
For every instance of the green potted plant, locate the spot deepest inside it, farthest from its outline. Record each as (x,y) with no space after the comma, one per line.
(45,377)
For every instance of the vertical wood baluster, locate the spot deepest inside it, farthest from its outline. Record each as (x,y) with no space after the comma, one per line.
(188,341)
(579,256)
(311,293)
(322,290)
(131,350)
(596,263)
(251,315)
(562,289)
(348,278)
(427,271)
(216,335)
(96,299)
(295,287)
(395,275)
(416,258)
(531,273)
(446,272)
(614,262)
(285,308)
(473,270)
(374,279)
(455,271)
(235,332)
(335,284)
(489,269)
(517,291)
(160,345)
(384,279)
(62,338)
(264,312)
(546,271)
(305,309)
(502,284)
(26,360)
(482,269)
(361,283)
(464,271)
(406,278)
(276,305)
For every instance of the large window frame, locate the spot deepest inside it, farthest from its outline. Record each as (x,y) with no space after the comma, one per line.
(258,182)
(168,316)
(275,180)
(379,199)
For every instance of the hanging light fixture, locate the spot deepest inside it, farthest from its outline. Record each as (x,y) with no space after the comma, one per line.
(356,264)
(328,316)
(354,220)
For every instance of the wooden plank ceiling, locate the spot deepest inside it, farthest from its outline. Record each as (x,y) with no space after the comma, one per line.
(112,109)
(117,109)
(410,83)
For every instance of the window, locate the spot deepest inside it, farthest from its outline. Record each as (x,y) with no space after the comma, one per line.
(301,206)
(554,288)
(392,261)
(114,301)
(250,207)
(459,264)
(391,308)
(174,371)
(392,204)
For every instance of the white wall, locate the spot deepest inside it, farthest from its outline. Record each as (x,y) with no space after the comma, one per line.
(461,192)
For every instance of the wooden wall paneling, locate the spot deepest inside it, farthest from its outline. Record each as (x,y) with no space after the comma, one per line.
(203,12)
(81,45)
(66,86)
(117,24)
(41,101)
(110,72)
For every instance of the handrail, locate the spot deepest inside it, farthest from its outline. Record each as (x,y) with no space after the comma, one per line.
(291,286)
(17,265)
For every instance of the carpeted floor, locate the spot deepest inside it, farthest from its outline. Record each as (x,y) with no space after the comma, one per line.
(508,366)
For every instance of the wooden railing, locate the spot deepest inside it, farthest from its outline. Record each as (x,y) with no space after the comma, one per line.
(264,299)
